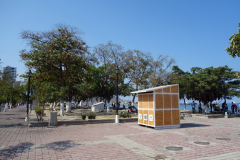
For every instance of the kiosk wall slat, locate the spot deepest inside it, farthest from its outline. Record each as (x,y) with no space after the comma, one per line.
(167,100)
(175,103)
(167,117)
(150,104)
(159,118)
(175,114)
(159,101)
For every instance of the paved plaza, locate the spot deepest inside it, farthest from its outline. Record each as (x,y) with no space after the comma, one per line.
(198,138)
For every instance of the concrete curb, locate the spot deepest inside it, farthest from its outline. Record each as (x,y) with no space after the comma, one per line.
(83,122)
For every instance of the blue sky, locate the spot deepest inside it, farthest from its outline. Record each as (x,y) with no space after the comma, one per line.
(194,33)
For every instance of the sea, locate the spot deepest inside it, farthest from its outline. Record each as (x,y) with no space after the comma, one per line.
(188,106)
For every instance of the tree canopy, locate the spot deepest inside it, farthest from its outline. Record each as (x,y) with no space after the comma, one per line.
(208,84)
(234,48)
(58,56)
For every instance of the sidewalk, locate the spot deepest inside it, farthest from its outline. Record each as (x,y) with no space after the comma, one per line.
(196,139)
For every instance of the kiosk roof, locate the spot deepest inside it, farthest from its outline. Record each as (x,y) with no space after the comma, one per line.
(153,89)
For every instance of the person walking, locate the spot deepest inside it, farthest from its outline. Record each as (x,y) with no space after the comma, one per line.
(193,107)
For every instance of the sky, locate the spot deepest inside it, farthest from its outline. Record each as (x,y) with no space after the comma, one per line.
(194,33)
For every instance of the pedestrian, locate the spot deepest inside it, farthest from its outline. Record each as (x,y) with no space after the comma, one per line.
(129,104)
(214,106)
(193,107)
(200,107)
(211,106)
(233,107)
(236,108)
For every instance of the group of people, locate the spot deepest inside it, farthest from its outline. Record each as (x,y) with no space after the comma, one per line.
(214,107)
(131,107)
(194,107)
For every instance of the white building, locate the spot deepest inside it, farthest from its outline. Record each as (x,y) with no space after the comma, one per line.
(12,72)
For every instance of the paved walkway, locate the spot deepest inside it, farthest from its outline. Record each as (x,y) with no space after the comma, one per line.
(198,138)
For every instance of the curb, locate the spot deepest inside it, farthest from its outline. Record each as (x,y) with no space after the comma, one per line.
(83,122)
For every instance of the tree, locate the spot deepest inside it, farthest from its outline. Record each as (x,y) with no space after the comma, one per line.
(139,66)
(234,48)
(207,85)
(109,57)
(58,56)
(160,71)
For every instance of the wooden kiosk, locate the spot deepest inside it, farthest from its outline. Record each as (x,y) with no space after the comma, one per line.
(159,107)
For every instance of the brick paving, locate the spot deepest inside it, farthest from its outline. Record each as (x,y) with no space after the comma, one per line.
(118,141)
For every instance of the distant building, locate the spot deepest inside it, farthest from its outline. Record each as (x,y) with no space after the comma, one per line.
(12,72)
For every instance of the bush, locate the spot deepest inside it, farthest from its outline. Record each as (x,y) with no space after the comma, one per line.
(38,110)
(124,115)
(83,116)
(92,116)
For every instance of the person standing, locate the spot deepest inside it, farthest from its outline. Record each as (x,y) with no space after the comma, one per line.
(233,107)
(236,108)
(129,104)
(193,107)
(211,106)
(200,107)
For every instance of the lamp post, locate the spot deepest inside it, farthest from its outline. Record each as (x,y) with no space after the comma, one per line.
(117,119)
(224,87)
(29,75)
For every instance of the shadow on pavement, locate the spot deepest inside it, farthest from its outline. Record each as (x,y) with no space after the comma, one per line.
(62,145)
(190,125)
(12,125)
(13,151)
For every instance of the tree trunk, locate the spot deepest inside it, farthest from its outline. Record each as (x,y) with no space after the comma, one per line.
(54,106)
(206,109)
(68,106)
(62,108)
(134,95)
(50,107)
(184,105)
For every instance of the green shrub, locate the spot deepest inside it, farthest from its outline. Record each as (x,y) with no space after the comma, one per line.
(38,110)
(124,115)
(83,116)
(92,115)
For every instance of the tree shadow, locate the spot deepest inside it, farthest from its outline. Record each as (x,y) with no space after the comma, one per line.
(12,151)
(12,125)
(190,125)
(62,145)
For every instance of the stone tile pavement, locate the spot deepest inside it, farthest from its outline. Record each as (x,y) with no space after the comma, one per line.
(197,139)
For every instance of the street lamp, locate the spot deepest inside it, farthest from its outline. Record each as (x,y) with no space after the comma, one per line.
(117,119)
(29,75)
(224,87)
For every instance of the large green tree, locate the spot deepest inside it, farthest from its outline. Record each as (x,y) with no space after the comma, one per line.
(208,84)
(58,56)
(234,48)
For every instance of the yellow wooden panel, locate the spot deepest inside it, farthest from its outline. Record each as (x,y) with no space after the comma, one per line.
(175,103)
(159,101)
(159,90)
(145,101)
(140,101)
(166,90)
(145,121)
(175,115)
(174,89)
(151,112)
(167,117)
(140,120)
(167,100)
(159,118)
(150,101)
